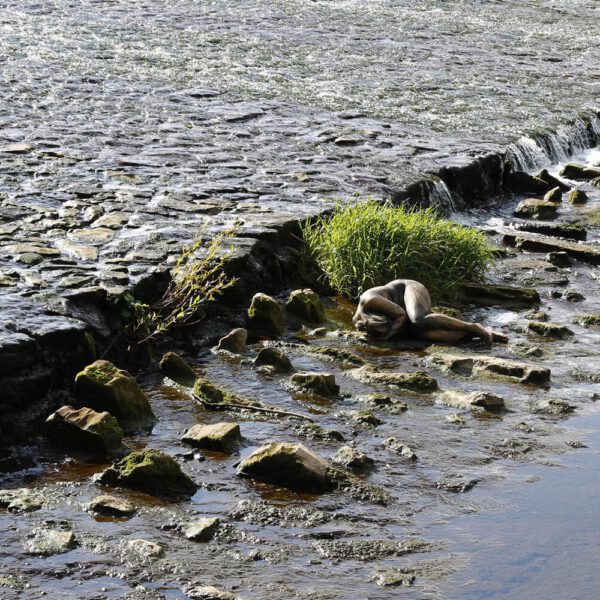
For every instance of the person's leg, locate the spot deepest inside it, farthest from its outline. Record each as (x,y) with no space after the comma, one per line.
(418,309)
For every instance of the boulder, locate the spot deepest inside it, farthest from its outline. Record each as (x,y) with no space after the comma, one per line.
(473,401)
(223,437)
(307,305)
(48,540)
(201,530)
(85,429)
(276,360)
(417,381)
(265,315)
(579,172)
(577,197)
(150,471)
(112,506)
(104,387)
(234,341)
(177,369)
(520,182)
(540,209)
(491,366)
(290,465)
(348,457)
(322,384)
(554,195)
(549,330)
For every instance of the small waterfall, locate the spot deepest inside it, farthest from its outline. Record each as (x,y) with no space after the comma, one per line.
(440,196)
(536,151)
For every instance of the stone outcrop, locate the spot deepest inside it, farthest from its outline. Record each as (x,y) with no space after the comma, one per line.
(176,368)
(539,243)
(307,305)
(222,437)
(87,430)
(478,365)
(290,465)
(150,471)
(523,183)
(104,387)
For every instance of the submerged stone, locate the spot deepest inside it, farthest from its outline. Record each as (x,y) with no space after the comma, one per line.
(265,315)
(201,530)
(549,330)
(291,465)
(104,387)
(473,400)
(209,592)
(417,381)
(541,209)
(113,506)
(490,365)
(322,384)
(393,578)
(312,431)
(307,305)
(223,437)
(176,368)
(150,471)
(234,341)
(85,429)
(273,358)
(400,448)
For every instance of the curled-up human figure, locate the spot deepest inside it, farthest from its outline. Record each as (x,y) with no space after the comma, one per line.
(403,306)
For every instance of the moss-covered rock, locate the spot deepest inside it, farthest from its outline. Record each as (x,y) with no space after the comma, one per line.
(417,381)
(223,437)
(570,231)
(150,471)
(290,465)
(590,320)
(273,358)
(234,341)
(540,209)
(322,384)
(87,430)
(554,195)
(549,330)
(265,315)
(577,196)
(177,369)
(579,172)
(312,431)
(104,387)
(307,305)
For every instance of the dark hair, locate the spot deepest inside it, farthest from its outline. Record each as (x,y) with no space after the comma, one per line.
(375,324)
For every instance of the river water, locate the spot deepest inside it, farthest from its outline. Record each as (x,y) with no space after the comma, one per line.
(159,116)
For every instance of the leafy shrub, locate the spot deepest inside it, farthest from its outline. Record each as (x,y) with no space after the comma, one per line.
(369,244)
(197,278)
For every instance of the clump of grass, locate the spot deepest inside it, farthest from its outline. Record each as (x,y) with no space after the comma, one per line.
(369,244)
(197,278)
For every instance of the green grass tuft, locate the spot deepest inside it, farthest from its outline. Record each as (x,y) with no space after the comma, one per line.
(368,244)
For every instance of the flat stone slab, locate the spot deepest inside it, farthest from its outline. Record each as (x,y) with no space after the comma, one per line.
(222,437)
(541,243)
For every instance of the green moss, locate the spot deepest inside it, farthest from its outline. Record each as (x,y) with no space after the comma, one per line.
(307,305)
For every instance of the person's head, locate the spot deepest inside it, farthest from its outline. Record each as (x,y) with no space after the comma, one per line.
(378,326)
